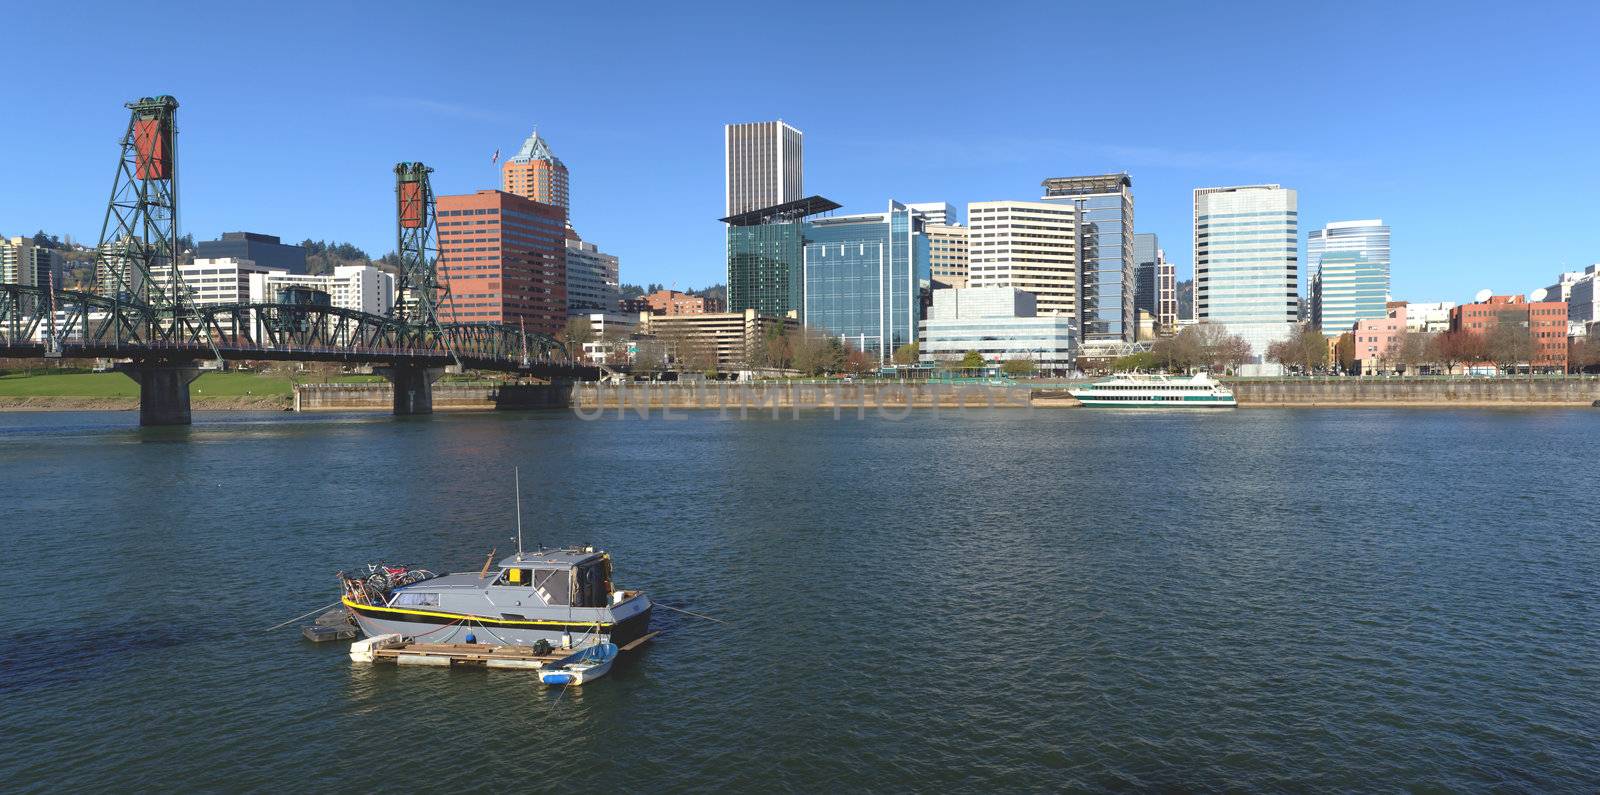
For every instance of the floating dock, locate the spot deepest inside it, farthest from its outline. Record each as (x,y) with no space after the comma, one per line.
(395,649)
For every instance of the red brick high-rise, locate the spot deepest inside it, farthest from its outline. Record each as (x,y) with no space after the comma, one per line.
(504,259)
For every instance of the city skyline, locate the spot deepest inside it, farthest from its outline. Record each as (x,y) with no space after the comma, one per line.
(330,175)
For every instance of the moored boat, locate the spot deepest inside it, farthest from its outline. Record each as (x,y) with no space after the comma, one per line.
(1146,391)
(564,597)
(585,665)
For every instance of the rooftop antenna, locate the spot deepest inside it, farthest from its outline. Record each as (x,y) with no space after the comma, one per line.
(516,473)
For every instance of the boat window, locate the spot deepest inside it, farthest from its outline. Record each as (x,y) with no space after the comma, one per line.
(552,585)
(522,577)
(415,599)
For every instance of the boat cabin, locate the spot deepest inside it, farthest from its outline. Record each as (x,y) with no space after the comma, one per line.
(562,578)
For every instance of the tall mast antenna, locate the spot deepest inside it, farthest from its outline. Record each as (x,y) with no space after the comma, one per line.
(516,472)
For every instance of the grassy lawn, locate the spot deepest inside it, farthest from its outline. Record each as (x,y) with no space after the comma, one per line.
(117,385)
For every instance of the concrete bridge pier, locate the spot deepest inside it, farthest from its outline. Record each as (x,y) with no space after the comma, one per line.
(163,390)
(413,387)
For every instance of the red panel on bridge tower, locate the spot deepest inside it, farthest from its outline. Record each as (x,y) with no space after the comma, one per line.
(411,209)
(153,140)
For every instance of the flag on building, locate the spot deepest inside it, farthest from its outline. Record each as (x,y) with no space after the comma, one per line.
(496,159)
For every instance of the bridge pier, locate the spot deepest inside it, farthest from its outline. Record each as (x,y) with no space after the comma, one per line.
(413,387)
(163,390)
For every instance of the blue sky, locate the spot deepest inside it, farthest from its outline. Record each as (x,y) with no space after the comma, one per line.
(1470,128)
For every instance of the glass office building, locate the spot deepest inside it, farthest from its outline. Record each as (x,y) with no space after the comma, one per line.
(865,276)
(1247,262)
(1349,286)
(764,256)
(1105,252)
(1145,287)
(1346,261)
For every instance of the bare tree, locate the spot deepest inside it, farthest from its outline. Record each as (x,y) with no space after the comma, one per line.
(814,353)
(1509,343)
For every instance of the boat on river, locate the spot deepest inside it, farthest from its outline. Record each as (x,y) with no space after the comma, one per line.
(563,597)
(585,665)
(1154,391)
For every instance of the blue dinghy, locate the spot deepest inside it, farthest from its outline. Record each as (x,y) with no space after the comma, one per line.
(585,665)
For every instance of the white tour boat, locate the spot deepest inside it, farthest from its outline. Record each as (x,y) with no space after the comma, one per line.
(1141,391)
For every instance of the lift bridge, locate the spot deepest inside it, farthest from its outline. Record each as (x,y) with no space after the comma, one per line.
(142,313)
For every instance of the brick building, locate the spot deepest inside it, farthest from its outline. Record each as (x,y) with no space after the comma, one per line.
(1546,322)
(672,302)
(504,259)
(1375,340)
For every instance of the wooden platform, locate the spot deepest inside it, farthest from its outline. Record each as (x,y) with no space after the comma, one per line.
(480,655)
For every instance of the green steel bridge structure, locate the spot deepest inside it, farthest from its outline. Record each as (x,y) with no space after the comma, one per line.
(141,312)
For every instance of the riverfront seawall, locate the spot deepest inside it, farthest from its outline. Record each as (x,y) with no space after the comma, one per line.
(842,397)
(446,397)
(1423,391)
(776,396)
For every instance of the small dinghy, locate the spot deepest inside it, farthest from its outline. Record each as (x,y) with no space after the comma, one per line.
(585,665)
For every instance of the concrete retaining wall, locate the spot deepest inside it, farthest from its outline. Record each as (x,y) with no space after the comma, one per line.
(749,398)
(757,397)
(1417,391)
(446,397)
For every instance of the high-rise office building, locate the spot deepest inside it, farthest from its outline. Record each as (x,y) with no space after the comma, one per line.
(1028,245)
(947,254)
(936,212)
(1247,263)
(504,258)
(1146,285)
(865,276)
(593,278)
(22,262)
(1348,267)
(1105,252)
(1347,287)
(764,162)
(534,172)
(765,266)
(1166,295)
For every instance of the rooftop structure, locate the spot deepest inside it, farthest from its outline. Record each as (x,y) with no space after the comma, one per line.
(534,172)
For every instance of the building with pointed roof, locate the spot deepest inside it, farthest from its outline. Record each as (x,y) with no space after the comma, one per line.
(534,172)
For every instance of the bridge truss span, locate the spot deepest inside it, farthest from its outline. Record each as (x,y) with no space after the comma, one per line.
(37,322)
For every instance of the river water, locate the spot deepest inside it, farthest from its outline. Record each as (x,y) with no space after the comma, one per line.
(1001,599)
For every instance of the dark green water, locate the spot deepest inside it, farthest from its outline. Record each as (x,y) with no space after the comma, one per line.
(1046,600)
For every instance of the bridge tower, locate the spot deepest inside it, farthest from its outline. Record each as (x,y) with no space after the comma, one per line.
(139,237)
(136,262)
(418,291)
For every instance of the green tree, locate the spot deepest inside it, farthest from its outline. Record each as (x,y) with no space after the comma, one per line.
(1018,367)
(1143,360)
(972,361)
(907,353)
